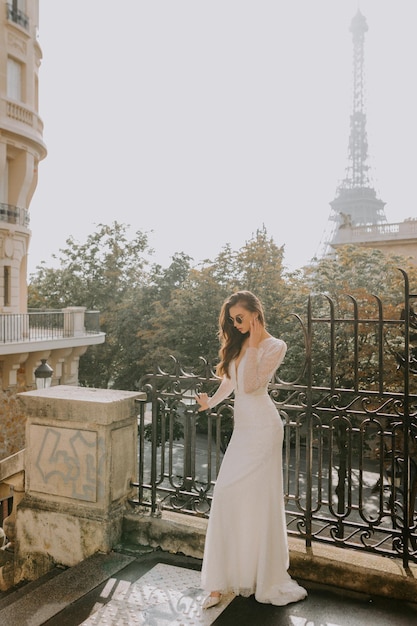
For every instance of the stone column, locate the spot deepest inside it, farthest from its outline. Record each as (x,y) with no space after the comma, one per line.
(74,321)
(81,456)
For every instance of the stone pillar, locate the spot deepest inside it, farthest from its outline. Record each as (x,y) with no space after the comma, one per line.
(81,456)
(74,321)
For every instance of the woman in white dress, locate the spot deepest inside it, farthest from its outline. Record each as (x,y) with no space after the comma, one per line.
(246,548)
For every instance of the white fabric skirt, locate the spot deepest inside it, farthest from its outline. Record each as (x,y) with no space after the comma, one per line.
(246,548)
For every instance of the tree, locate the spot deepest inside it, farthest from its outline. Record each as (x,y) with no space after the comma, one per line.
(190,324)
(98,274)
(153,321)
(93,273)
(351,278)
(151,312)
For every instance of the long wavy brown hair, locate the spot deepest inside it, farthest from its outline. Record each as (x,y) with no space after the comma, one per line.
(231,339)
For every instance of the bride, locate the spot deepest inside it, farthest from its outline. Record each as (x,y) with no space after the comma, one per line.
(246,548)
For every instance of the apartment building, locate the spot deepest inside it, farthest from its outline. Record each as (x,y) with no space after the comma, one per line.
(27,338)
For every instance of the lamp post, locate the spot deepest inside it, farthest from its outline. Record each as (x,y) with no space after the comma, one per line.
(43,375)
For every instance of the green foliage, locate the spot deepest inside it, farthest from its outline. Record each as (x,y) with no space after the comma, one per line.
(92,274)
(347,282)
(149,312)
(359,271)
(98,274)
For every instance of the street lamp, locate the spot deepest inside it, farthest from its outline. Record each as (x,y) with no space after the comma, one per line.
(43,375)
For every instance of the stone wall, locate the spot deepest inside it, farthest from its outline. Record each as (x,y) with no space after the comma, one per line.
(12,418)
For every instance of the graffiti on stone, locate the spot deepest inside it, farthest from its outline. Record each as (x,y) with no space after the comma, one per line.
(65,462)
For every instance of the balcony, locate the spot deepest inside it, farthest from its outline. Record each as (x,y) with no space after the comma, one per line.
(67,327)
(16,16)
(400,231)
(14,215)
(25,122)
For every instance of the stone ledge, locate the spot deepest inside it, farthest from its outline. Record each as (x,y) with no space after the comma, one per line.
(338,567)
(12,465)
(173,532)
(73,404)
(354,570)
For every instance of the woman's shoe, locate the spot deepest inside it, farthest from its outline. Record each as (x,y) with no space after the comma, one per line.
(210,601)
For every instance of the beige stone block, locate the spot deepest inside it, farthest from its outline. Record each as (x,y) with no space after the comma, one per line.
(64,538)
(123,460)
(5,491)
(64,462)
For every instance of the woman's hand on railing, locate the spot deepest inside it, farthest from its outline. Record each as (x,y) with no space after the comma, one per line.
(202,399)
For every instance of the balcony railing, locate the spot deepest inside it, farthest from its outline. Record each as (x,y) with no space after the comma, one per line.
(406,230)
(18,17)
(14,215)
(30,118)
(46,325)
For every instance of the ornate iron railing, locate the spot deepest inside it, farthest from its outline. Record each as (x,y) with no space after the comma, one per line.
(350,418)
(178,460)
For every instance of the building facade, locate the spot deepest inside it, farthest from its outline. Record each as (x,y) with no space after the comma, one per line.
(21,144)
(26,338)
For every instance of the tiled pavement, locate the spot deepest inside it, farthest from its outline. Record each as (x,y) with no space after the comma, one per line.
(156,589)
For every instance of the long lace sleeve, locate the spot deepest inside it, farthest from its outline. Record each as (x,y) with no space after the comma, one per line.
(225,389)
(261,364)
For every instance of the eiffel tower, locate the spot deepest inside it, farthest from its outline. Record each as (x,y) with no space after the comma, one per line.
(357,214)
(356,202)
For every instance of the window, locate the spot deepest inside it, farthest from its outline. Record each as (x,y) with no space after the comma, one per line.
(6,285)
(15,13)
(14,80)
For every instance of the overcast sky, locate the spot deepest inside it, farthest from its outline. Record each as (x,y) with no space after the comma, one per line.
(200,121)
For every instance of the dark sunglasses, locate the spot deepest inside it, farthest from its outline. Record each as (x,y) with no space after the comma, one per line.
(238,319)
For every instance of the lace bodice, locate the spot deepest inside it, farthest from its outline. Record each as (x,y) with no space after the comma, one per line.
(259,365)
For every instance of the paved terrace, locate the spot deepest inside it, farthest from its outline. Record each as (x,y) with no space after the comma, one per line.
(153,587)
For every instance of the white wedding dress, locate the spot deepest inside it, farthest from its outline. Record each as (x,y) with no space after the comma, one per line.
(246,548)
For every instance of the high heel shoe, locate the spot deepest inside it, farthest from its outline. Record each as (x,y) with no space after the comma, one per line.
(210,601)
